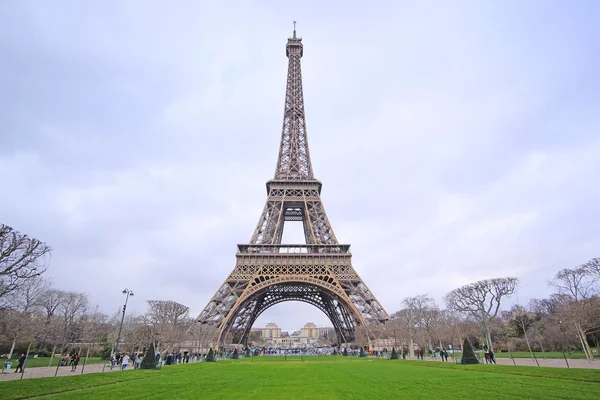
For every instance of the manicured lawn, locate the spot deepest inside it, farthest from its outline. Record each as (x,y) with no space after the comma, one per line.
(44,361)
(324,379)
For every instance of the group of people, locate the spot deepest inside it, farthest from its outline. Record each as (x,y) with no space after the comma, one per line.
(177,358)
(123,360)
(170,358)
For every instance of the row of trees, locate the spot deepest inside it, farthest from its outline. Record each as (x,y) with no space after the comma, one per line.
(568,319)
(32,312)
(57,321)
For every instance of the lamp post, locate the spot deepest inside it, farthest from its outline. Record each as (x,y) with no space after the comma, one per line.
(127,293)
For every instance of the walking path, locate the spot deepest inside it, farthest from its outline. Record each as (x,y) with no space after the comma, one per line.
(544,362)
(45,372)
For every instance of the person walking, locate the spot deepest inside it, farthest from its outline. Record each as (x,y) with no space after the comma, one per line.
(137,362)
(491,357)
(445,355)
(75,362)
(124,362)
(21,362)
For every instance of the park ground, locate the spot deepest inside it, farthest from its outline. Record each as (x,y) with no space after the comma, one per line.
(325,379)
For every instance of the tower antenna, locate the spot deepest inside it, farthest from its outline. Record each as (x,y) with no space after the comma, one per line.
(294,29)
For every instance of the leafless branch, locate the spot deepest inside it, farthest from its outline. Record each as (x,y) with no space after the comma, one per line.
(21,258)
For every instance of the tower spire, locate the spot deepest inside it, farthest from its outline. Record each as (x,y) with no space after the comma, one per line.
(294,158)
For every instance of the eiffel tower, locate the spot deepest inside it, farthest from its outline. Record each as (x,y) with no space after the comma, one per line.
(267,272)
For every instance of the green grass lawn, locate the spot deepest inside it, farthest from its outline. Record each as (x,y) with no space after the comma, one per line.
(44,361)
(323,379)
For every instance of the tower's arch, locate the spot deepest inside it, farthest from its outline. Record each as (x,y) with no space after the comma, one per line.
(318,292)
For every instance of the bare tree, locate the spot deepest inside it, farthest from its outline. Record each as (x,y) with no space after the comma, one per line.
(577,283)
(72,309)
(426,316)
(408,320)
(482,300)
(522,321)
(21,258)
(593,267)
(206,336)
(22,318)
(170,321)
(579,309)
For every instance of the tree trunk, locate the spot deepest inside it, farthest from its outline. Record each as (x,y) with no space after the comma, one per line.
(52,355)
(582,341)
(411,348)
(12,347)
(527,339)
(586,344)
(486,330)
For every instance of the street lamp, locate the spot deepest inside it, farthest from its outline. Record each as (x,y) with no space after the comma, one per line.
(127,293)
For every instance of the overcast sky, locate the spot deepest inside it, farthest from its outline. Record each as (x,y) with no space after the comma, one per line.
(456,140)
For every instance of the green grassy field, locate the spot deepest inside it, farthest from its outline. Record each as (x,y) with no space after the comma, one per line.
(339,379)
(44,361)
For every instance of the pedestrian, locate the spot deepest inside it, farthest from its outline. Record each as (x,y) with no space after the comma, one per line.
(491,356)
(112,361)
(75,362)
(487,356)
(124,362)
(21,362)
(445,355)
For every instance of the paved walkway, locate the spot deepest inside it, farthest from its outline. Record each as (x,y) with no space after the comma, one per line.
(544,362)
(44,372)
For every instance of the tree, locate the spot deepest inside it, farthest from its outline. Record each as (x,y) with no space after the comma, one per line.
(427,316)
(169,320)
(482,300)
(22,318)
(210,357)
(205,336)
(105,346)
(593,267)
(577,283)
(149,360)
(580,307)
(72,310)
(21,258)
(406,320)
(468,355)
(362,352)
(394,355)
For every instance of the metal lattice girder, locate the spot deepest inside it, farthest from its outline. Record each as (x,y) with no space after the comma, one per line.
(294,157)
(319,272)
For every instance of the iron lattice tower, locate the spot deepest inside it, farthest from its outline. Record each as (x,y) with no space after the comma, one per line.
(319,272)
